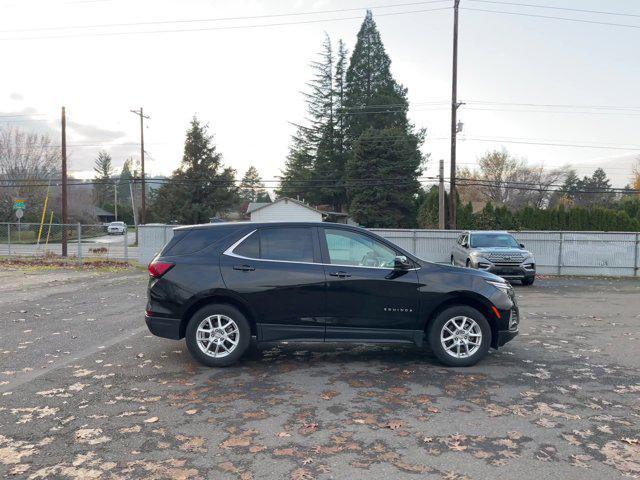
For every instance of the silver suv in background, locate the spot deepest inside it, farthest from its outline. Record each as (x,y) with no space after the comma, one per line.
(117,228)
(495,252)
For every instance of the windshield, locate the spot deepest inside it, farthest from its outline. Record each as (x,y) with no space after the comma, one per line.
(493,240)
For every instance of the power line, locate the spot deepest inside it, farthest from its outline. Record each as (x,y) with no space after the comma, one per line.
(551,17)
(12,115)
(324,183)
(393,138)
(573,145)
(629,113)
(550,7)
(216,19)
(227,27)
(553,140)
(620,191)
(558,105)
(104,145)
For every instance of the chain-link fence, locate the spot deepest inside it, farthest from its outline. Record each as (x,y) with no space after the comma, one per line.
(83,242)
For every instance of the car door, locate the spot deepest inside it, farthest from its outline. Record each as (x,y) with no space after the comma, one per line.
(367,299)
(455,251)
(277,271)
(461,250)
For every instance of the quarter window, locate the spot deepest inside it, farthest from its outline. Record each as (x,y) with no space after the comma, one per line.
(351,248)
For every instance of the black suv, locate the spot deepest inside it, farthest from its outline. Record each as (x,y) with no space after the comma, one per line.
(220,284)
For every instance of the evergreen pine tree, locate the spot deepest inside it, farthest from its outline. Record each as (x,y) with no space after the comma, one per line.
(202,187)
(382,193)
(600,188)
(251,187)
(373,98)
(428,213)
(102,187)
(385,147)
(331,153)
(298,172)
(316,156)
(126,175)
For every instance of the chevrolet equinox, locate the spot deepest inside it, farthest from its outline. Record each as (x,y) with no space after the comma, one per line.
(218,285)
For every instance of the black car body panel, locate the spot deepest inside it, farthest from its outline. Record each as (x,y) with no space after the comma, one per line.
(314,299)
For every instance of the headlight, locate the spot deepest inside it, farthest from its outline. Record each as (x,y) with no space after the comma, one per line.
(503,286)
(478,257)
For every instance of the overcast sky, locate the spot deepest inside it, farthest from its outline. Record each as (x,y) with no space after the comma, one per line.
(245,80)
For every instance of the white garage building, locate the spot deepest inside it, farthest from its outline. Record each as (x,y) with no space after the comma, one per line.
(284,210)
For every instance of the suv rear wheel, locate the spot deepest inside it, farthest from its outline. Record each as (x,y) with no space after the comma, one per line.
(460,336)
(218,335)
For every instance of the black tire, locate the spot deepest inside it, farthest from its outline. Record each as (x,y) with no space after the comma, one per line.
(244,335)
(453,262)
(437,326)
(468,263)
(528,281)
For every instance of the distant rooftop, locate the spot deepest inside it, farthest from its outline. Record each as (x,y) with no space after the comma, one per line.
(256,205)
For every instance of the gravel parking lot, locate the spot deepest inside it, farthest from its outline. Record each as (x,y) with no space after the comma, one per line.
(86,392)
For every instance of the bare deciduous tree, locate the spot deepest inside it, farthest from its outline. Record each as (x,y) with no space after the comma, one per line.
(27,160)
(506,180)
(635,179)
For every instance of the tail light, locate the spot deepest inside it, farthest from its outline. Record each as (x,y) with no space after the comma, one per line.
(158,269)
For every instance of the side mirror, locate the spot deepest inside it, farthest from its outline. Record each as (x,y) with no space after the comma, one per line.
(401,263)
(522,245)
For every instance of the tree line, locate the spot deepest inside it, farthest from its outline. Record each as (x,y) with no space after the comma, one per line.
(200,189)
(355,151)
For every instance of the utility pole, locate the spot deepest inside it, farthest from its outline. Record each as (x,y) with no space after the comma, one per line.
(115,199)
(133,208)
(454,126)
(65,218)
(441,197)
(143,202)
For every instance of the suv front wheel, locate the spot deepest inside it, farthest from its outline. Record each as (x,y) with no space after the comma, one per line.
(460,336)
(218,335)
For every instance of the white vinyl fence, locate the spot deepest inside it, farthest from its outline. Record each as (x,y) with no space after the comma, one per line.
(557,253)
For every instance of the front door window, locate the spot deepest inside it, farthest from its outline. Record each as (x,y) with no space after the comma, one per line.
(354,249)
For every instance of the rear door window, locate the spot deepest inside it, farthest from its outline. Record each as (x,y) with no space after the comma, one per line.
(250,247)
(293,244)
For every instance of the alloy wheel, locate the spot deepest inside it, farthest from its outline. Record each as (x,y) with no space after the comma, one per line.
(217,336)
(461,337)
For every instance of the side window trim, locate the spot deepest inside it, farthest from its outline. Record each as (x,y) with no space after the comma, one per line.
(229,252)
(320,250)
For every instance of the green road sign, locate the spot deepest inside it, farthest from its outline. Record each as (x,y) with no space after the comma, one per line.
(18,204)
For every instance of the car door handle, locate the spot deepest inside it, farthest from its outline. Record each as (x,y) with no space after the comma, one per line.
(244,268)
(340,274)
